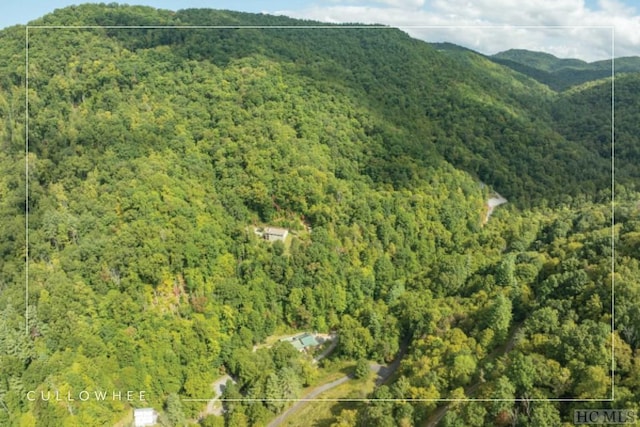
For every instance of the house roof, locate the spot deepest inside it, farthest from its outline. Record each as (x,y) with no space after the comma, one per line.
(297,344)
(276,230)
(302,341)
(309,341)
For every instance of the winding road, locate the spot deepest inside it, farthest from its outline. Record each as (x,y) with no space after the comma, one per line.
(383,372)
(317,391)
(492,203)
(218,387)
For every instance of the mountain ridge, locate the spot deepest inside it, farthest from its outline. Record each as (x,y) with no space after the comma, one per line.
(562,74)
(153,156)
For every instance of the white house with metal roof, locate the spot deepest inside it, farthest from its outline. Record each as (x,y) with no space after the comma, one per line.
(143,417)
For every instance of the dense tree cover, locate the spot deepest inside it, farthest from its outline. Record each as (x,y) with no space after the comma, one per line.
(586,113)
(154,152)
(560,73)
(546,333)
(469,110)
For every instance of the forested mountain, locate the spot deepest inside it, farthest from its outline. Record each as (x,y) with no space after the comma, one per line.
(155,154)
(541,60)
(560,73)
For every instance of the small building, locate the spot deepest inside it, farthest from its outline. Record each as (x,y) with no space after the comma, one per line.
(143,417)
(274,233)
(308,340)
(303,342)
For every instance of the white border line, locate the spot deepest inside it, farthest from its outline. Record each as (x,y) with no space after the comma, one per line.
(393,400)
(26,179)
(613,215)
(338,26)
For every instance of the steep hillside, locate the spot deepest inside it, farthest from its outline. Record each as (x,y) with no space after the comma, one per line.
(584,114)
(433,96)
(561,74)
(156,156)
(541,60)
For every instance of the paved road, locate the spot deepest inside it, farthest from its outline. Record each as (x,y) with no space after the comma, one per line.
(277,421)
(218,388)
(383,372)
(492,203)
(325,353)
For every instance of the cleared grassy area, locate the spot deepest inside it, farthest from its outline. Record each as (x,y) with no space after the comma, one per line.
(125,421)
(272,339)
(331,372)
(283,333)
(323,414)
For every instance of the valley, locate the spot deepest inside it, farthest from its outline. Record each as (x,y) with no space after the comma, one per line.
(216,203)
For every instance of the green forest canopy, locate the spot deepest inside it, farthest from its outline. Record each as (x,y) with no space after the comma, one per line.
(153,153)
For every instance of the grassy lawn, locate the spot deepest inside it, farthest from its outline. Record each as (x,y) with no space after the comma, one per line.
(125,421)
(323,414)
(281,332)
(272,339)
(332,370)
